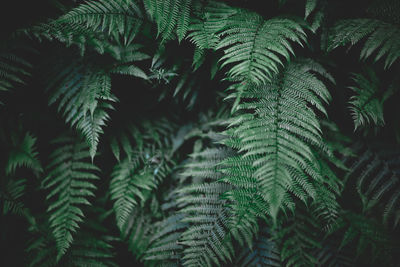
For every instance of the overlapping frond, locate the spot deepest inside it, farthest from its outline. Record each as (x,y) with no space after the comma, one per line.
(380,39)
(256,48)
(164,244)
(91,247)
(128,183)
(367,105)
(172,17)
(69,183)
(365,234)
(144,164)
(136,232)
(121,19)
(23,154)
(378,181)
(84,97)
(207,22)
(264,252)
(298,239)
(14,69)
(207,241)
(279,131)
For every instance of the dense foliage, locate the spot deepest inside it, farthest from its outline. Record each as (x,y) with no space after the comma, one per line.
(200,133)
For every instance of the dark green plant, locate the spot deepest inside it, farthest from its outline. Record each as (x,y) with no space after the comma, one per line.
(201,133)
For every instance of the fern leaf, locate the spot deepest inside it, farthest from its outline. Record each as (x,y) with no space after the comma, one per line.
(299,238)
(264,253)
(381,38)
(280,131)
(203,29)
(165,244)
(69,183)
(206,241)
(137,231)
(377,180)
(13,191)
(256,46)
(127,185)
(84,97)
(23,154)
(310,6)
(367,105)
(172,17)
(14,69)
(362,233)
(121,18)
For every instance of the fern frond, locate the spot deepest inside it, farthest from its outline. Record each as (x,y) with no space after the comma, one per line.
(206,241)
(91,247)
(127,185)
(310,6)
(298,239)
(378,182)
(330,255)
(255,47)
(11,194)
(172,17)
(362,233)
(165,244)
(381,38)
(265,252)
(204,28)
(84,96)
(23,154)
(279,132)
(14,69)
(69,183)
(367,105)
(121,19)
(137,231)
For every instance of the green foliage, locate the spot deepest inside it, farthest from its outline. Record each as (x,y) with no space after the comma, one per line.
(69,183)
(206,241)
(367,105)
(255,46)
(280,131)
(381,38)
(172,17)
(14,68)
(264,253)
(377,177)
(200,133)
(120,19)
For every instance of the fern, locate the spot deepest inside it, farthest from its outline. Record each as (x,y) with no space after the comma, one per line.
(206,241)
(367,105)
(137,231)
(91,248)
(23,154)
(69,183)
(256,46)
(128,182)
(84,97)
(143,167)
(366,233)
(381,38)
(14,68)
(298,239)
(207,22)
(164,244)
(377,180)
(172,17)
(279,132)
(264,253)
(121,19)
